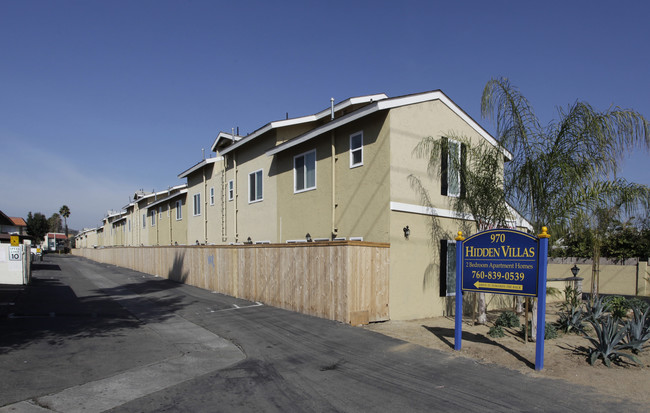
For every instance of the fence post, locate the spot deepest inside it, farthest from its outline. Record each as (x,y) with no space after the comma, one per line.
(458,328)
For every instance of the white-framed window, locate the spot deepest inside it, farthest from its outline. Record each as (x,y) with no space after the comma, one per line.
(356,149)
(231,190)
(153,217)
(159,213)
(129,222)
(304,171)
(197,205)
(179,210)
(212,196)
(453,177)
(255,190)
(144,220)
(447,268)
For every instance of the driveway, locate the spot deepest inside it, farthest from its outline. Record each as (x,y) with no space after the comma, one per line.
(94,337)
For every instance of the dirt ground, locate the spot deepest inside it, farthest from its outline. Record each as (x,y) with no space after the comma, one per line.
(564,357)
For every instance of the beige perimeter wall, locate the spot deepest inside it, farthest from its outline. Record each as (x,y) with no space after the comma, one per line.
(632,278)
(342,281)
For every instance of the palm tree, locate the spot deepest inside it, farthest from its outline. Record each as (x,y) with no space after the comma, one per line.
(555,168)
(554,163)
(65,213)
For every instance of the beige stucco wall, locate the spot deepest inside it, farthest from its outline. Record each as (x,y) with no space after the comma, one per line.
(129,233)
(415,263)
(408,126)
(414,288)
(360,193)
(206,228)
(614,279)
(257,219)
(178,227)
(196,228)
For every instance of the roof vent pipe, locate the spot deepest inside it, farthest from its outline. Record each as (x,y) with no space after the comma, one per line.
(203,153)
(332,103)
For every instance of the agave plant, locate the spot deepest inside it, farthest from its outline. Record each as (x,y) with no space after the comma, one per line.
(638,330)
(571,320)
(596,310)
(608,341)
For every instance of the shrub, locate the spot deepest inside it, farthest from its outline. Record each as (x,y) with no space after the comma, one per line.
(550,332)
(571,298)
(638,303)
(618,305)
(608,341)
(496,331)
(507,319)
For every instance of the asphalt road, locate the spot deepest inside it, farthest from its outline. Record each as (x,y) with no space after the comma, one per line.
(93,337)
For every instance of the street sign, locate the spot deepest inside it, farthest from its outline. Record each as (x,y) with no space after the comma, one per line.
(503,261)
(500,261)
(15,240)
(15,254)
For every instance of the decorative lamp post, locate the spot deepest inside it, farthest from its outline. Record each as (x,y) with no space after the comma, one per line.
(577,281)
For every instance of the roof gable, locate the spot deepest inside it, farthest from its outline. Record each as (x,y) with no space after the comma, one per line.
(388,104)
(305,119)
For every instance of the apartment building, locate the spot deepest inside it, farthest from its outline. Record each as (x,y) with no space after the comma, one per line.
(344,173)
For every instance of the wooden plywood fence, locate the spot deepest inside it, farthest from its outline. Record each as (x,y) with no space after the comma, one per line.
(343,281)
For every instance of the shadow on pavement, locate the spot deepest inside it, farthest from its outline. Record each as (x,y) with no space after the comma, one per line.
(49,267)
(446,336)
(49,309)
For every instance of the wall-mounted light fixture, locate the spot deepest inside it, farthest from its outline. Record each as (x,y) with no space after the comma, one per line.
(308,237)
(407,232)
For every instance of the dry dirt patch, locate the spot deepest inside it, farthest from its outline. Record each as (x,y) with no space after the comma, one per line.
(564,357)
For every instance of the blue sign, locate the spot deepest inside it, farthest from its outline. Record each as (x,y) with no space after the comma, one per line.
(500,261)
(503,261)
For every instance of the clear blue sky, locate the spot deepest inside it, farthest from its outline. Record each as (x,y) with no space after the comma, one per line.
(101,98)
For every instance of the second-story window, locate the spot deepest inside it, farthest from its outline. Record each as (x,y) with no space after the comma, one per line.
(144,220)
(452,168)
(212,196)
(197,204)
(231,190)
(153,217)
(179,210)
(255,191)
(304,171)
(356,149)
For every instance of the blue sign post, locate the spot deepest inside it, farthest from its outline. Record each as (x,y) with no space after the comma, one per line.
(503,261)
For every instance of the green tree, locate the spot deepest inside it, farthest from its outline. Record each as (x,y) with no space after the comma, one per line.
(54,223)
(624,240)
(65,213)
(37,226)
(603,203)
(557,168)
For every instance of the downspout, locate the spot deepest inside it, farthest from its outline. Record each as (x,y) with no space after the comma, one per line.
(205,203)
(224,197)
(333,165)
(236,194)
